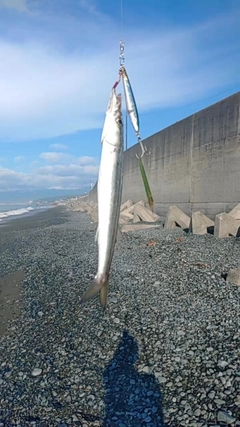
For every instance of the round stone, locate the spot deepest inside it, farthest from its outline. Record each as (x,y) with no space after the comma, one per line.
(36,372)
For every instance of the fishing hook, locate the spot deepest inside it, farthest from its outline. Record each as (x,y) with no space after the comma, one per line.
(144,149)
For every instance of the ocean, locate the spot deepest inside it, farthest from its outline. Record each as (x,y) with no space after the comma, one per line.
(9,211)
(15,204)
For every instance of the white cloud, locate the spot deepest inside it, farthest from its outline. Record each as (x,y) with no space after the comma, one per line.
(52,170)
(68,170)
(88,5)
(58,146)
(19,158)
(19,5)
(72,176)
(66,159)
(10,179)
(85,160)
(54,157)
(46,92)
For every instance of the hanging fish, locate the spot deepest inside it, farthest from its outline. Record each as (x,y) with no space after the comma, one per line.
(109,196)
(132,108)
(130,101)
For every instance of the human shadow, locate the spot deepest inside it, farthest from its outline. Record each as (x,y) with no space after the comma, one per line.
(132,399)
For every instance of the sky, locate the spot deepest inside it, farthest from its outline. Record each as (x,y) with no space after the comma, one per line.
(60,58)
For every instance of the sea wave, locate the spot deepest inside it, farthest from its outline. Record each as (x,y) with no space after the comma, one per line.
(14,212)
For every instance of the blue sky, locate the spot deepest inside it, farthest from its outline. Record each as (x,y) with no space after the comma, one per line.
(60,58)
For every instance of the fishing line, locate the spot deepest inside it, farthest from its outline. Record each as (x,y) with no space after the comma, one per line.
(122,64)
(121,17)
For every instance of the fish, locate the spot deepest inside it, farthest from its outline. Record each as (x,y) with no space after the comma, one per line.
(110,182)
(130,101)
(132,110)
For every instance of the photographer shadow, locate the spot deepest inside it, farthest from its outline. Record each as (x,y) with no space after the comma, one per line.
(132,399)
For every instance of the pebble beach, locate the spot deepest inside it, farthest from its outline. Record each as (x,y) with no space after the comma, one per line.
(165,353)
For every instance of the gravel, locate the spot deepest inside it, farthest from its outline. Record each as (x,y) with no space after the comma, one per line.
(166,352)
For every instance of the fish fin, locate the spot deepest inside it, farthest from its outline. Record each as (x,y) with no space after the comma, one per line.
(103,295)
(92,290)
(96,235)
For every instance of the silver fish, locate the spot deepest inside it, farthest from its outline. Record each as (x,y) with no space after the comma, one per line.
(132,109)
(130,100)
(110,180)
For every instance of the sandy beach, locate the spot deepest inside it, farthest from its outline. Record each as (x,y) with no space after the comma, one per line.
(165,353)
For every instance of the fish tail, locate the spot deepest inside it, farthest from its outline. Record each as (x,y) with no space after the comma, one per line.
(99,284)
(103,295)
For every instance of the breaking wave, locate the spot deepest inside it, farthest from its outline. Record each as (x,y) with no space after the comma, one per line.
(20,211)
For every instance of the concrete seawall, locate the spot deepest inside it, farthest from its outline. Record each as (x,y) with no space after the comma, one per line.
(194,164)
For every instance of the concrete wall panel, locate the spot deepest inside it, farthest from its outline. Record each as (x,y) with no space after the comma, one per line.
(195,163)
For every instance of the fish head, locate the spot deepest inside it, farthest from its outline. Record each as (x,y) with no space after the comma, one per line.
(123,72)
(112,132)
(115,106)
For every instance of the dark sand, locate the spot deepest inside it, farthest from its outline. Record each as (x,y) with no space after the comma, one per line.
(35,219)
(11,282)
